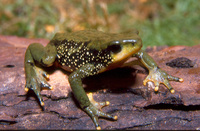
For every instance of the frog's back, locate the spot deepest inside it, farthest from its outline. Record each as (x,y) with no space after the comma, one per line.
(82,35)
(96,39)
(73,50)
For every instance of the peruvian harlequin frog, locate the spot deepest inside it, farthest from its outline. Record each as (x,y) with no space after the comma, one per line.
(86,53)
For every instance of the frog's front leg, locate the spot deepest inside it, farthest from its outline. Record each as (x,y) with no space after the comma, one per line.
(36,77)
(91,107)
(156,75)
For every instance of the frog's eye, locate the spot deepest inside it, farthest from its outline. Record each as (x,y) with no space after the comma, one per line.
(114,48)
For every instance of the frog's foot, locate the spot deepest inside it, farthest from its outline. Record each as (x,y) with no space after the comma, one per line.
(36,82)
(94,111)
(158,76)
(98,105)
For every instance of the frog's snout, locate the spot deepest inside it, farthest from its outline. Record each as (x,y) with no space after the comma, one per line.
(138,42)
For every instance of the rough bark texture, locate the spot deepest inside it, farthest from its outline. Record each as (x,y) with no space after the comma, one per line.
(135,106)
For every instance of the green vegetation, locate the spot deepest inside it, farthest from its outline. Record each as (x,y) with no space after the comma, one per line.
(160,22)
(178,24)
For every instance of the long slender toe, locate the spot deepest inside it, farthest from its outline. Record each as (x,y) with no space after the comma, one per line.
(37,93)
(172,78)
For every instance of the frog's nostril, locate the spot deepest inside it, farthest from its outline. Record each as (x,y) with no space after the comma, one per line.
(133,43)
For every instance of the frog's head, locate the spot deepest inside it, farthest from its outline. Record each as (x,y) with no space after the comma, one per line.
(122,49)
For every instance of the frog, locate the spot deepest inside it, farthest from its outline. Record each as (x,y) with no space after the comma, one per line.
(87,53)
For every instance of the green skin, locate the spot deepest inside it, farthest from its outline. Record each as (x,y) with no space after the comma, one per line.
(129,43)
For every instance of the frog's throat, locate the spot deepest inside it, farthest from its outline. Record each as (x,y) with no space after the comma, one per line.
(124,54)
(120,58)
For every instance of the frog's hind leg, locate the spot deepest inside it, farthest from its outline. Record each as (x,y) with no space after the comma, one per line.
(36,77)
(92,108)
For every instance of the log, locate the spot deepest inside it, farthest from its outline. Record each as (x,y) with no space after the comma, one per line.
(136,106)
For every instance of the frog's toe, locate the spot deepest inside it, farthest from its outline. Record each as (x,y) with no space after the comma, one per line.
(45,84)
(172,78)
(38,94)
(152,83)
(147,80)
(167,84)
(45,75)
(98,105)
(95,113)
(26,89)
(106,115)
(34,86)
